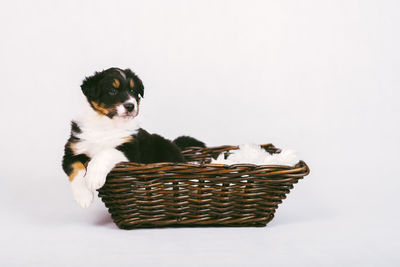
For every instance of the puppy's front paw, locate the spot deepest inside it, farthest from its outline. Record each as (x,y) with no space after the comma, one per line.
(82,195)
(95,179)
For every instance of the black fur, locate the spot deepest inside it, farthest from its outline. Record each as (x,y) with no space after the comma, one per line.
(75,128)
(150,148)
(69,156)
(93,86)
(186,141)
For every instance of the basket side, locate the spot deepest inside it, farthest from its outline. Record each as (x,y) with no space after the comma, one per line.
(167,194)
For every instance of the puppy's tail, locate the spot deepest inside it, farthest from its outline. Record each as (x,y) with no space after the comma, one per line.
(186,141)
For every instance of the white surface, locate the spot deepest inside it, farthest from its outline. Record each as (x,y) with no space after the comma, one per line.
(321,77)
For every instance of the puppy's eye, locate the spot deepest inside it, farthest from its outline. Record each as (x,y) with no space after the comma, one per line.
(112,91)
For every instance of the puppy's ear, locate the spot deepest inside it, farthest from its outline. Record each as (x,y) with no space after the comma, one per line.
(89,85)
(140,86)
(137,81)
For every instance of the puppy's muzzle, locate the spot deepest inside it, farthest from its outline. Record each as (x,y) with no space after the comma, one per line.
(129,107)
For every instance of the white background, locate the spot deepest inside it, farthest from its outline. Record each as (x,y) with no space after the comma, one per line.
(321,77)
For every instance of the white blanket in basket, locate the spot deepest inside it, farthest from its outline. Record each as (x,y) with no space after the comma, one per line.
(254,154)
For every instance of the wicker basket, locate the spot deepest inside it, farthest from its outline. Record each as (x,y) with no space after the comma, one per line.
(182,194)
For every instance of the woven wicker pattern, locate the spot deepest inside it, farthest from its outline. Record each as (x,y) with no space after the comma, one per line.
(171,194)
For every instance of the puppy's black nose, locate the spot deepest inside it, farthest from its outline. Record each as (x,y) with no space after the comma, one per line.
(129,106)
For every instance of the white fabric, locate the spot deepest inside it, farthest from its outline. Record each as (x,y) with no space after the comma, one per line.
(254,154)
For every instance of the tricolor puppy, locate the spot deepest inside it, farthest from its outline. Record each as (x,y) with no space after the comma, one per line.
(107,134)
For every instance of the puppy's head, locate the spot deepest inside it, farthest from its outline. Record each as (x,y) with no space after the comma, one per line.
(114,92)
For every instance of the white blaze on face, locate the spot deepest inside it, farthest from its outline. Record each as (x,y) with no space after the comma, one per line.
(121,110)
(122,73)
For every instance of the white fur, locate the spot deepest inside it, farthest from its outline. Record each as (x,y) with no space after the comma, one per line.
(121,110)
(99,137)
(122,73)
(132,100)
(82,195)
(254,154)
(101,133)
(100,165)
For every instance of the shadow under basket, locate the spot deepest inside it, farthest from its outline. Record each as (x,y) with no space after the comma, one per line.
(198,193)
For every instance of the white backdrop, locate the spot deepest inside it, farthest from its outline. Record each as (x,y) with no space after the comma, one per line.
(321,77)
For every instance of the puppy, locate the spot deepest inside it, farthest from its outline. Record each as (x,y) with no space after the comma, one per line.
(107,134)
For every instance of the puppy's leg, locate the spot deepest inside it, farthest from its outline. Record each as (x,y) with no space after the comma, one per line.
(100,165)
(82,195)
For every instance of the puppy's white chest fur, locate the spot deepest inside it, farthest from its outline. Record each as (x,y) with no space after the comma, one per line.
(100,133)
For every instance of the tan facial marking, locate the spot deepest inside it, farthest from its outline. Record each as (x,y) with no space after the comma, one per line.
(131,84)
(76,168)
(116,83)
(99,109)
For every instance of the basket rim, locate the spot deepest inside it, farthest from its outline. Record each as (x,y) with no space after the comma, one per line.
(301,166)
(188,164)
(298,167)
